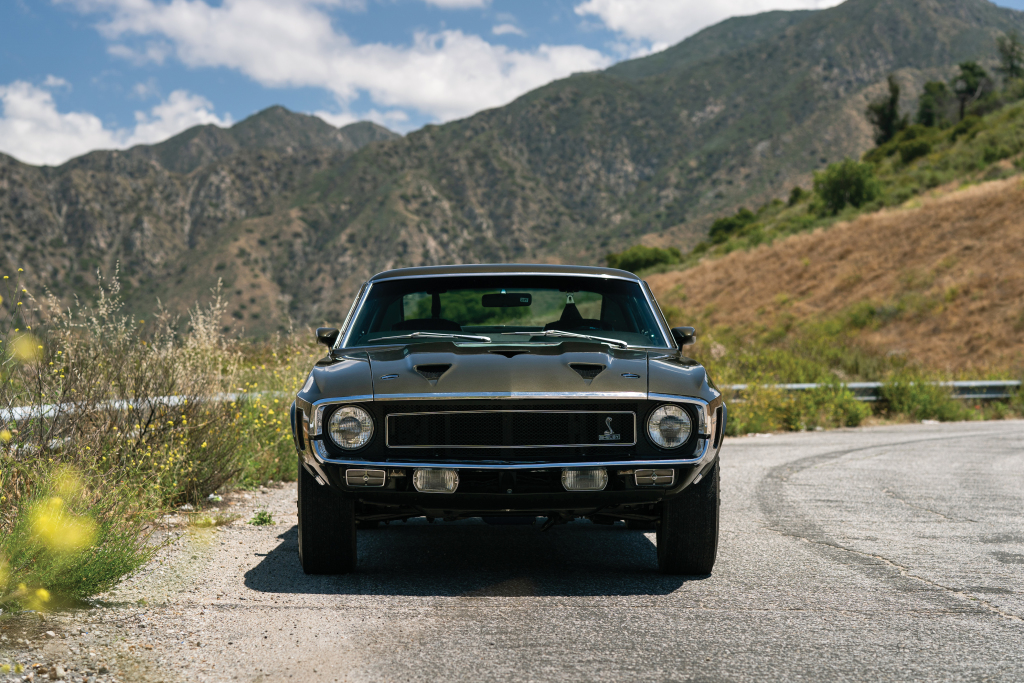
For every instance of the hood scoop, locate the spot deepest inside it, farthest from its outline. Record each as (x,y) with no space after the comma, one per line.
(509,354)
(432,373)
(588,371)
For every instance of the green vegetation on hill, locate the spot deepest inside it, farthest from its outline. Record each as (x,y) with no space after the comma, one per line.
(917,160)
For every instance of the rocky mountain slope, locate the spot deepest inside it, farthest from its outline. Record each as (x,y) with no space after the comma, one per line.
(292,214)
(937,281)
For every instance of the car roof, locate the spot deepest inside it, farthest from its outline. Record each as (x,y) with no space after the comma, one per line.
(504,269)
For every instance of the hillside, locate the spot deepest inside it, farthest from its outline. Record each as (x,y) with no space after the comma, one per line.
(293,217)
(939,284)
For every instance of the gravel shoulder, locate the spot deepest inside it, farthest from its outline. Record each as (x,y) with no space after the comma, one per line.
(891,553)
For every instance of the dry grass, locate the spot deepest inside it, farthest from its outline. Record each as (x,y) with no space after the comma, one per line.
(939,281)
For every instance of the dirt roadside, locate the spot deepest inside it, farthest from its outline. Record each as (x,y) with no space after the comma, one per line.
(161,624)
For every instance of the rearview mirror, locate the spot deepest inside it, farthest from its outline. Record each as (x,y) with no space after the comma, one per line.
(684,336)
(506,300)
(327,336)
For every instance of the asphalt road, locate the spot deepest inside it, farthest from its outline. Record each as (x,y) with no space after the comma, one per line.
(892,553)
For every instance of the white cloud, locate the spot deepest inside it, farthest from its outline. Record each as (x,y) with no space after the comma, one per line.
(457,4)
(503,29)
(180,111)
(34,131)
(55,82)
(394,118)
(665,22)
(292,43)
(155,52)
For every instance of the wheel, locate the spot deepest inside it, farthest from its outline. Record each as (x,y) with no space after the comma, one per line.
(327,528)
(688,531)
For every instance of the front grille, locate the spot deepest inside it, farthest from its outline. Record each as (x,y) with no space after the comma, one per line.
(511,429)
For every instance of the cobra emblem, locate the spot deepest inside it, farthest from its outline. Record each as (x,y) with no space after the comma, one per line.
(609,433)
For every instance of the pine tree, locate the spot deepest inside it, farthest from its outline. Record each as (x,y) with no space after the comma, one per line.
(884,114)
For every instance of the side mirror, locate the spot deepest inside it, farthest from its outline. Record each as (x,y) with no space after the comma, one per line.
(327,336)
(684,336)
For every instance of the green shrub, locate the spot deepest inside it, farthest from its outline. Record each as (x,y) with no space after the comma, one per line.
(966,128)
(262,518)
(914,396)
(914,149)
(847,183)
(639,257)
(828,406)
(992,154)
(723,228)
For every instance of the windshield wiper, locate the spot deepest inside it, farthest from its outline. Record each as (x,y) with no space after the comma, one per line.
(434,335)
(563,333)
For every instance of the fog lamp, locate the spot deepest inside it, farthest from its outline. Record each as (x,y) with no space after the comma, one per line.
(435,480)
(585,480)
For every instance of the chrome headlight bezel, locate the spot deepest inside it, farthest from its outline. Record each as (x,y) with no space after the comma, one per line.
(679,416)
(345,437)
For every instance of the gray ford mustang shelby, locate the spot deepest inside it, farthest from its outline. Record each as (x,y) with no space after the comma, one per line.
(508,391)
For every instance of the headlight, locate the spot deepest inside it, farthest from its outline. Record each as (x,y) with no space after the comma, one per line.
(669,426)
(351,427)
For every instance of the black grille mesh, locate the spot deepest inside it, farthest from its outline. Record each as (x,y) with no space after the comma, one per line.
(511,429)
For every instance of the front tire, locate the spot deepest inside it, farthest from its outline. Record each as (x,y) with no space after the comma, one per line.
(327,528)
(688,531)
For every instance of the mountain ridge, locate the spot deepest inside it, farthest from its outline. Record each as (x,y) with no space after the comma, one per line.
(650,150)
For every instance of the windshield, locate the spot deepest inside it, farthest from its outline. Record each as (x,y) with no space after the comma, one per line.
(506,309)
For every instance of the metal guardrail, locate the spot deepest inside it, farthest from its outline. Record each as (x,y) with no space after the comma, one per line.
(977,390)
(974,390)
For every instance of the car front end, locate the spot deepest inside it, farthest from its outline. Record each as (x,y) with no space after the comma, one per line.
(564,395)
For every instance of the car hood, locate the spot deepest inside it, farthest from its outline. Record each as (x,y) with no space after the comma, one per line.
(444,369)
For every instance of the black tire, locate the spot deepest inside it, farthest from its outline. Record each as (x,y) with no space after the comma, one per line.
(688,531)
(327,528)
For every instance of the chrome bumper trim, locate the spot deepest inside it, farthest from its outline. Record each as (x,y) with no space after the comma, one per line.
(322,456)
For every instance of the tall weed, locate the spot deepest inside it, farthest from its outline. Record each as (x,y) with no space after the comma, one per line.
(135,414)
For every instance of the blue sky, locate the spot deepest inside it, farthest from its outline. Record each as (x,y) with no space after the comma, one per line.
(77,75)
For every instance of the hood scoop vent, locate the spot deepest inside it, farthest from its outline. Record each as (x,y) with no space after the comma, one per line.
(588,371)
(509,354)
(432,373)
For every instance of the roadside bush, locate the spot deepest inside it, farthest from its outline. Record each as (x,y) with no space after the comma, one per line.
(916,397)
(639,257)
(133,415)
(848,183)
(763,407)
(271,374)
(829,406)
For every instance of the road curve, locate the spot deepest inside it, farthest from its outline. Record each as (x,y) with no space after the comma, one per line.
(887,553)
